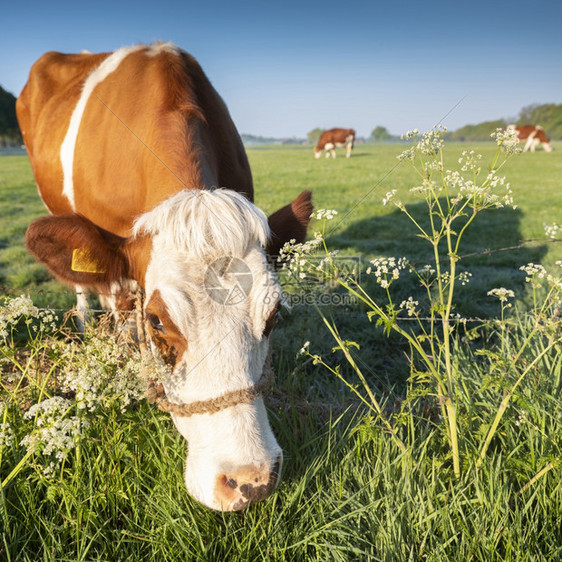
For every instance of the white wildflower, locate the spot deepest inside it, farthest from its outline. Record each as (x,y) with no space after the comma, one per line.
(470,162)
(324,214)
(464,277)
(502,294)
(6,435)
(55,434)
(387,270)
(427,188)
(14,309)
(389,196)
(533,270)
(431,141)
(551,230)
(104,373)
(304,349)
(410,306)
(507,139)
(410,134)
(295,257)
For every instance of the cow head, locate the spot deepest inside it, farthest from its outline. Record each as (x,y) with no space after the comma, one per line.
(210,305)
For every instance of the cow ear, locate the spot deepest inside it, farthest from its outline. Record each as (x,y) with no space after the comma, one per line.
(289,222)
(77,251)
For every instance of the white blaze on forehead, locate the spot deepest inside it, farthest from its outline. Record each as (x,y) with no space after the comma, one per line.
(191,230)
(109,65)
(206,224)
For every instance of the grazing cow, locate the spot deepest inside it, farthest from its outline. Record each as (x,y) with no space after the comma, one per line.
(128,150)
(333,138)
(533,135)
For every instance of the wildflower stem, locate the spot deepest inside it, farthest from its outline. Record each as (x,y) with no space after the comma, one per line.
(537,476)
(359,373)
(507,398)
(17,469)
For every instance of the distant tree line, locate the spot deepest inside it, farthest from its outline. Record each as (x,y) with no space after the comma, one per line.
(548,116)
(253,139)
(9,130)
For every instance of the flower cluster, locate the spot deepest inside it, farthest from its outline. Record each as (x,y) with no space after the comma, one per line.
(507,140)
(293,256)
(14,309)
(304,349)
(55,434)
(502,294)
(410,306)
(429,144)
(387,270)
(536,273)
(48,321)
(103,373)
(323,214)
(483,195)
(551,230)
(389,196)
(6,433)
(427,189)
(470,161)
(464,277)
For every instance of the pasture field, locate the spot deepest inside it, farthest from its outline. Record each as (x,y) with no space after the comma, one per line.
(349,491)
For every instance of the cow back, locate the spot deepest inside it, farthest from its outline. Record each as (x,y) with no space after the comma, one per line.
(112,135)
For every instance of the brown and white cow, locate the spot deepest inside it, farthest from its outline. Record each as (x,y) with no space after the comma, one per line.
(333,138)
(128,150)
(533,135)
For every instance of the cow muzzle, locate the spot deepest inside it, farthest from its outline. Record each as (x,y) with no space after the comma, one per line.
(236,490)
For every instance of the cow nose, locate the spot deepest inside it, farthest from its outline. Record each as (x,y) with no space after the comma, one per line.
(235,491)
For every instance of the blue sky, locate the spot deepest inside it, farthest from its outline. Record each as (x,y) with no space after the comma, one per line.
(285,68)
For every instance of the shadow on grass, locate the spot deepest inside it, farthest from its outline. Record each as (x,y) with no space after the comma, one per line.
(383,357)
(489,251)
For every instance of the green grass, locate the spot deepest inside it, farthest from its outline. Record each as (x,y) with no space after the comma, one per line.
(348,492)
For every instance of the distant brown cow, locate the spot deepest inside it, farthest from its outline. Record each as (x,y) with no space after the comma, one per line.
(534,135)
(333,138)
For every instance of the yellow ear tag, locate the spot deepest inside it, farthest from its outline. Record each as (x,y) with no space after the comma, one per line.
(83,262)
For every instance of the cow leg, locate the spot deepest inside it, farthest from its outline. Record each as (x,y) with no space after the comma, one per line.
(529,143)
(348,152)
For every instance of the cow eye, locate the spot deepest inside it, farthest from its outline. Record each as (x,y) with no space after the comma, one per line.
(155,322)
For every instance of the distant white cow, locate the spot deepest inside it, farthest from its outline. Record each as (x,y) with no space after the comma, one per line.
(333,138)
(534,135)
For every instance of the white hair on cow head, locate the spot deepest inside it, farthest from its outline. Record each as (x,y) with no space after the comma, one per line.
(206,223)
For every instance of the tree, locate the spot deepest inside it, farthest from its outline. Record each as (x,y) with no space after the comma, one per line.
(380,134)
(9,130)
(313,136)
